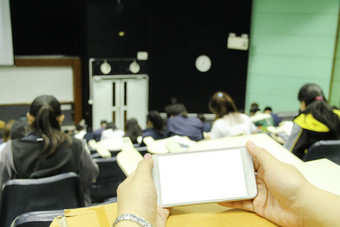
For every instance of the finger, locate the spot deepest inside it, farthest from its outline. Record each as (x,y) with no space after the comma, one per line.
(145,166)
(244,205)
(261,156)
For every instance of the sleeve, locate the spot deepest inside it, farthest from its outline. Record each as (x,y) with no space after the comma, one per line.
(7,168)
(296,142)
(168,131)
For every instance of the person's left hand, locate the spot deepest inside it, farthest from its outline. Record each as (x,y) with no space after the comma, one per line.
(137,195)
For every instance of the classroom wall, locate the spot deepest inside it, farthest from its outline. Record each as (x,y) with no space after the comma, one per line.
(292,43)
(335,82)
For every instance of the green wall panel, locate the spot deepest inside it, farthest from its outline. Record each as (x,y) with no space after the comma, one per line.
(291,43)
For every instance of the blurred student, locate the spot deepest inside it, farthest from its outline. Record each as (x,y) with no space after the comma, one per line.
(97,134)
(316,121)
(228,120)
(15,129)
(178,123)
(7,131)
(111,132)
(133,131)
(46,150)
(276,119)
(80,131)
(206,125)
(155,126)
(19,129)
(284,196)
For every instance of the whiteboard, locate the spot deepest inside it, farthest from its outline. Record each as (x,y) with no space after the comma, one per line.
(20,85)
(6,45)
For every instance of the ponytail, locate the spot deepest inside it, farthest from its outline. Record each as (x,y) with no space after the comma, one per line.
(316,104)
(45,110)
(324,113)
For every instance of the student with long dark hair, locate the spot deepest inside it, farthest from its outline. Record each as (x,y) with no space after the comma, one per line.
(133,130)
(228,120)
(154,126)
(47,151)
(317,121)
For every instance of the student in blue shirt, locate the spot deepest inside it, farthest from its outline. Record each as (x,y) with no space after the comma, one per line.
(179,123)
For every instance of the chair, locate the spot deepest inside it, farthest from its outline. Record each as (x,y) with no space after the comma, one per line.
(36,218)
(45,218)
(50,193)
(110,176)
(329,149)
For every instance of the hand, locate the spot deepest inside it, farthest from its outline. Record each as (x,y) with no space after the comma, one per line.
(137,195)
(281,189)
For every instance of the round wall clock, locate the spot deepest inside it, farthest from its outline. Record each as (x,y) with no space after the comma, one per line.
(203,63)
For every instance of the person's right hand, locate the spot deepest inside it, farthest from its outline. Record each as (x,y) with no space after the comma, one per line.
(281,190)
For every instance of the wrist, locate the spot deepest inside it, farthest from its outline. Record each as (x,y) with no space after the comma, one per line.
(320,208)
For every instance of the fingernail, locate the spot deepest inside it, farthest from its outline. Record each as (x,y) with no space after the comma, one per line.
(251,144)
(147,156)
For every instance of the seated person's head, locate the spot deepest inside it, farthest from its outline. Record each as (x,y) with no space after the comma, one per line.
(268,110)
(103,123)
(221,104)
(176,109)
(310,93)
(19,129)
(111,125)
(154,120)
(133,130)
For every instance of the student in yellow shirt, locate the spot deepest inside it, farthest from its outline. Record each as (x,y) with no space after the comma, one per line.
(317,121)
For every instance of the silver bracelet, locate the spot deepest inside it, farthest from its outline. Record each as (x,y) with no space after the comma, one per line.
(132,217)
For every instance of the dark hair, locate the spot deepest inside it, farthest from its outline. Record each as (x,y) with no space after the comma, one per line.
(268,108)
(133,130)
(156,120)
(221,104)
(176,109)
(103,122)
(45,109)
(316,104)
(19,129)
(79,127)
(111,125)
(201,117)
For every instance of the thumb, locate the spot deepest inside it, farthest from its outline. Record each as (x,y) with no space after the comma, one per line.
(145,166)
(263,157)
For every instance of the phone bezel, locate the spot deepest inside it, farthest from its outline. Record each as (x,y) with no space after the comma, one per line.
(248,169)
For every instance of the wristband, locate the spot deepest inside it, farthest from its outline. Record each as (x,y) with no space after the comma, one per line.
(134,218)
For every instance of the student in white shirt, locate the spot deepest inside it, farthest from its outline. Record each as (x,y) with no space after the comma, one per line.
(228,121)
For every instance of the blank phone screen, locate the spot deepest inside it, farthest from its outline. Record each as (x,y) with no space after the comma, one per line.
(201,176)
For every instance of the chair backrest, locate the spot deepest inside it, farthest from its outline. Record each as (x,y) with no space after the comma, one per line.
(50,193)
(329,149)
(110,176)
(36,218)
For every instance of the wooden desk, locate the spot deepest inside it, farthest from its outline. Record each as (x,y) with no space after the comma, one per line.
(197,215)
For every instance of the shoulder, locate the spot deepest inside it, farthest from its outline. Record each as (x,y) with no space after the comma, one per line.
(337,112)
(307,121)
(76,144)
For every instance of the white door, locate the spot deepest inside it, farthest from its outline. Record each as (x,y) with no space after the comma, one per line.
(118,99)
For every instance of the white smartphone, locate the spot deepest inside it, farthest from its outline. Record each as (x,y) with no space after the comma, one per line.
(204,177)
